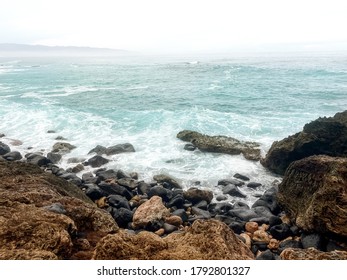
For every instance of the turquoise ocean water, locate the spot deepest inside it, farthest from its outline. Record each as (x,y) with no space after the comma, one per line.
(146,101)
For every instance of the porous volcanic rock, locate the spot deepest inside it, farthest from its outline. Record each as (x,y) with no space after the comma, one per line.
(313,193)
(312,254)
(221,144)
(204,240)
(42,216)
(324,136)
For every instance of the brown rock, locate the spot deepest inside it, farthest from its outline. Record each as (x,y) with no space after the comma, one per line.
(204,240)
(324,136)
(150,211)
(41,214)
(314,194)
(248,239)
(261,236)
(251,227)
(62,147)
(160,232)
(273,244)
(196,195)
(22,254)
(221,144)
(312,254)
(174,220)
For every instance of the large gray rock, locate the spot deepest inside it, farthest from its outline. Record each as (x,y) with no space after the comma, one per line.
(4,149)
(324,136)
(221,144)
(120,148)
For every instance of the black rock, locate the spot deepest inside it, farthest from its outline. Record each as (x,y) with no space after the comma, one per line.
(243,214)
(60,138)
(332,246)
(165,194)
(12,156)
(189,147)
(162,178)
(88,177)
(78,168)
(253,185)
(71,177)
(176,201)
(37,159)
(221,197)
(199,212)
(260,220)
(129,183)
(237,227)
(233,191)
(54,157)
(106,174)
(262,246)
(181,213)
(143,187)
(116,189)
(314,240)
(235,182)
(221,208)
(294,230)
(51,131)
(122,216)
(2,135)
(274,220)
(154,226)
(201,204)
(263,211)
(120,148)
(280,232)
(240,204)
(122,174)
(195,195)
(4,148)
(99,150)
(269,200)
(169,228)
(268,255)
(93,191)
(96,161)
(241,177)
(118,201)
(225,219)
(289,244)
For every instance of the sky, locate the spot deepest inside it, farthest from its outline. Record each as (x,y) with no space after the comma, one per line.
(177,25)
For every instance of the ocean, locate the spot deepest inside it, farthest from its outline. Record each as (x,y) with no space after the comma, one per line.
(147,100)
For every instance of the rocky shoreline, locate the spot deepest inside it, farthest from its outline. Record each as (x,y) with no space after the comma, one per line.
(51,213)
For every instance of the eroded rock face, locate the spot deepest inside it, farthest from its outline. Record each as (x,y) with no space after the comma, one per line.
(312,254)
(314,194)
(42,216)
(204,240)
(221,144)
(324,136)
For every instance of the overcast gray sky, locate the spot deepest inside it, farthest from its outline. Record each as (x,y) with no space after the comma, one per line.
(175,25)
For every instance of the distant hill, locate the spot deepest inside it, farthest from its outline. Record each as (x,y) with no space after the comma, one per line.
(40,50)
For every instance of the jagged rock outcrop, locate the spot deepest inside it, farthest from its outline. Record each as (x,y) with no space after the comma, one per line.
(221,144)
(324,136)
(312,254)
(314,194)
(45,217)
(204,240)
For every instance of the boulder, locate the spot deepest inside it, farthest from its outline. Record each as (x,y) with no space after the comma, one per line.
(314,193)
(221,144)
(4,149)
(54,157)
(12,156)
(41,215)
(312,254)
(149,212)
(99,150)
(324,136)
(120,148)
(172,183)
(62,147)
(204,240)
(233,191)
(196,195)
(96,161)
(37,159)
